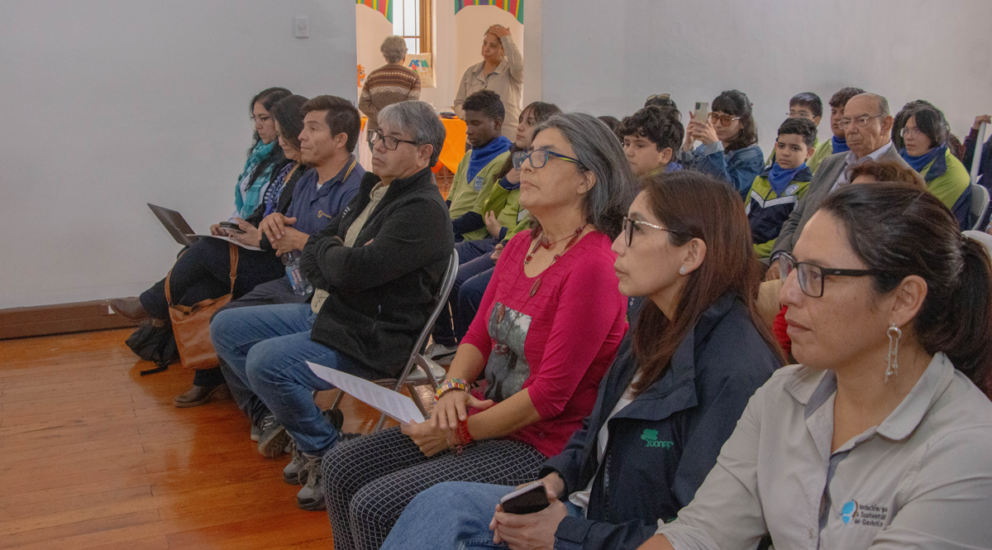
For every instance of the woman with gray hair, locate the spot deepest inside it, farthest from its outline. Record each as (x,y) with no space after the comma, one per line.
(391,83)
(547,330)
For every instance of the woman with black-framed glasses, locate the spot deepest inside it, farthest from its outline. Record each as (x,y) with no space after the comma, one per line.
(729,140)
(881,438)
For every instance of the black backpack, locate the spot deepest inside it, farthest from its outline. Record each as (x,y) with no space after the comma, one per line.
(155,344)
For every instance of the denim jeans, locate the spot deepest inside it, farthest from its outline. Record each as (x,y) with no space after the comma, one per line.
(453,515)
(470,298)
(473,258)
(265,349)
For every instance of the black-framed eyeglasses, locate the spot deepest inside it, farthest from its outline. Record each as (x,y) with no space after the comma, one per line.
(811,277)
(630,225)
(539,157)
(389,142)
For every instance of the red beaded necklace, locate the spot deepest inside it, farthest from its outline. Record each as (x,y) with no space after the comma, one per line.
(543,242)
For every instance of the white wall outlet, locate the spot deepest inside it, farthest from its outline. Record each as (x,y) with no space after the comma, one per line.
(301,27)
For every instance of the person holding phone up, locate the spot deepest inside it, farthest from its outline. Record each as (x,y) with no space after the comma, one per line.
(681,379)
(729,137)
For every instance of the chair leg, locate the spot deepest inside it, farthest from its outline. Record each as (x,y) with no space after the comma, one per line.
(415,395)
(337,400)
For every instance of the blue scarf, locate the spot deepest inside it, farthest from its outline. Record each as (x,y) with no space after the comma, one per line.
(921,162)
(484,155)
(780,177)
(840,145)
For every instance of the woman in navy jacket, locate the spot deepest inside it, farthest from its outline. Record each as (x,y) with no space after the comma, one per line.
(681,379)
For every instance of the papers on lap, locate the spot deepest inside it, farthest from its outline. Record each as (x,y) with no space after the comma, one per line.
(228,239)
(396,405)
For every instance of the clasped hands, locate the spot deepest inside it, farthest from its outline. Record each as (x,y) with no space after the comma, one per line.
(531,531)
(440,432)
(278,228)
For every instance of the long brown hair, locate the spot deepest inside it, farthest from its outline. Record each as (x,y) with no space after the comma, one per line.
(542,111)
(694,205)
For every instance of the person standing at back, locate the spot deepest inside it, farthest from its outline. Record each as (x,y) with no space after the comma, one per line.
(501,71)
(391,83)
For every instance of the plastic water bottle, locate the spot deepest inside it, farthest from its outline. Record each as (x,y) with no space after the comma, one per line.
(301,286)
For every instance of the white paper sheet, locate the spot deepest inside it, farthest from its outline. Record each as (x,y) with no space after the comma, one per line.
(396,405)
(228,239)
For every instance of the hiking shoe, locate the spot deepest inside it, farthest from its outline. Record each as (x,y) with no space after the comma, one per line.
(311,496)
(293,473)
(273,439)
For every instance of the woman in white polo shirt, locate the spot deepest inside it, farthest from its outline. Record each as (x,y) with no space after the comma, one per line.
(881,438)
(502,71)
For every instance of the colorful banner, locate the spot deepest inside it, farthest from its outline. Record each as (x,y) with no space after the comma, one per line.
(385,7)
(515,7)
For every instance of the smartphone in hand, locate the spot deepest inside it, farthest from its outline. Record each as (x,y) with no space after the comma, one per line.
(528,499)
(230,227)
(702,112)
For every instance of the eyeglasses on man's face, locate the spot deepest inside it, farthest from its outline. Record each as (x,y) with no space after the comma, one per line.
(539,157)
(389,142)
(722,119)
(812,278)
(859,122)
(631,225)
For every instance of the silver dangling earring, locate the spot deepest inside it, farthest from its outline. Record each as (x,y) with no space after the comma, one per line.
(894,335)
(682,270)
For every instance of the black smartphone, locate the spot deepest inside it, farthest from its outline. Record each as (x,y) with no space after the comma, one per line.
(528,499)
(232,227)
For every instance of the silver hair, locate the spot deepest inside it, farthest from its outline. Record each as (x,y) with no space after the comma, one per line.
(418,119)
(599,151)
(393,49)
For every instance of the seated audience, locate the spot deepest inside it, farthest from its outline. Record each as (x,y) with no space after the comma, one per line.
(476,172)
(549,327)
(650,138)
(729,139)
(925,134)
(391,83)
(327,141)
(774,194)
(805,105)
(375,268)
(671,399)
(501,71)
(502,217)
(880,437)
(837,143)
(866,124)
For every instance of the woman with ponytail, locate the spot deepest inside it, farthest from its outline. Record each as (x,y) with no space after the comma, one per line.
(881,438)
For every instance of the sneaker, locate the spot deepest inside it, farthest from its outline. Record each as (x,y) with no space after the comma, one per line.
(273,439)
(440,352)
(311,496)
(293,473)
(256,432)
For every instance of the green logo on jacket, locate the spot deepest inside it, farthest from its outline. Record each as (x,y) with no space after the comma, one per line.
(651,437)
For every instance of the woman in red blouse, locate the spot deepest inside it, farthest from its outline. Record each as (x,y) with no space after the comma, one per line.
(548,328)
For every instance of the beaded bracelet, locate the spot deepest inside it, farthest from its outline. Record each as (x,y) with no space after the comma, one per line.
(464,437)
(450,385)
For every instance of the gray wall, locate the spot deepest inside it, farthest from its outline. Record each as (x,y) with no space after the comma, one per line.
(109,104)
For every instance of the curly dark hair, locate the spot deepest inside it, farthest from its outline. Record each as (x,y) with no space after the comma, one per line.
(839,99)
(486,102)
(660,125)
(736,103)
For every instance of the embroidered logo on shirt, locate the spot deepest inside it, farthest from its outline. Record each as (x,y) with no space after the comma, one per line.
(871,515)
(478,182)
(651,437)
(321,214)
(791,190)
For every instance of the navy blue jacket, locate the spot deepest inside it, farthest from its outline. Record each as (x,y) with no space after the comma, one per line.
(664,443)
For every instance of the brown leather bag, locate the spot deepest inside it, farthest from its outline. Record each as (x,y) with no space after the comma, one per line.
(191,325)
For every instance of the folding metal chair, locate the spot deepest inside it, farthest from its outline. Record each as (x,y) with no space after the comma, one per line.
(429,372)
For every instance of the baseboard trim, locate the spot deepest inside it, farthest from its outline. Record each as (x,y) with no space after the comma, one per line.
(25,322)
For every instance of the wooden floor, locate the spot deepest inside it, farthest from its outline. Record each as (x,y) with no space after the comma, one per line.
(94,456)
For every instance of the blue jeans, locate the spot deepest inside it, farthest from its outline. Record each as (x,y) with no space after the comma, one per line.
(265,349)
(473,258)
(470,298)
(453,515)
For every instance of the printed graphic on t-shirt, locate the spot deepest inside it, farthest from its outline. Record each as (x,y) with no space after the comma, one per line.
(478,182)
(507,369)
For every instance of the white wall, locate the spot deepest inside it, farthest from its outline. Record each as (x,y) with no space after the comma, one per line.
(109,104)
(457,43)
(607,57)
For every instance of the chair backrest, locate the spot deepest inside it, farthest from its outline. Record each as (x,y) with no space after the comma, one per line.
(979,203)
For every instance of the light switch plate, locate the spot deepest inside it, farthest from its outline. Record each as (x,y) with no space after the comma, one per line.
(301,27)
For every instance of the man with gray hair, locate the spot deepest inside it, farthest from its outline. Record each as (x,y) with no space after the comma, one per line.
(389,84)
(376,269)
(867,124)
